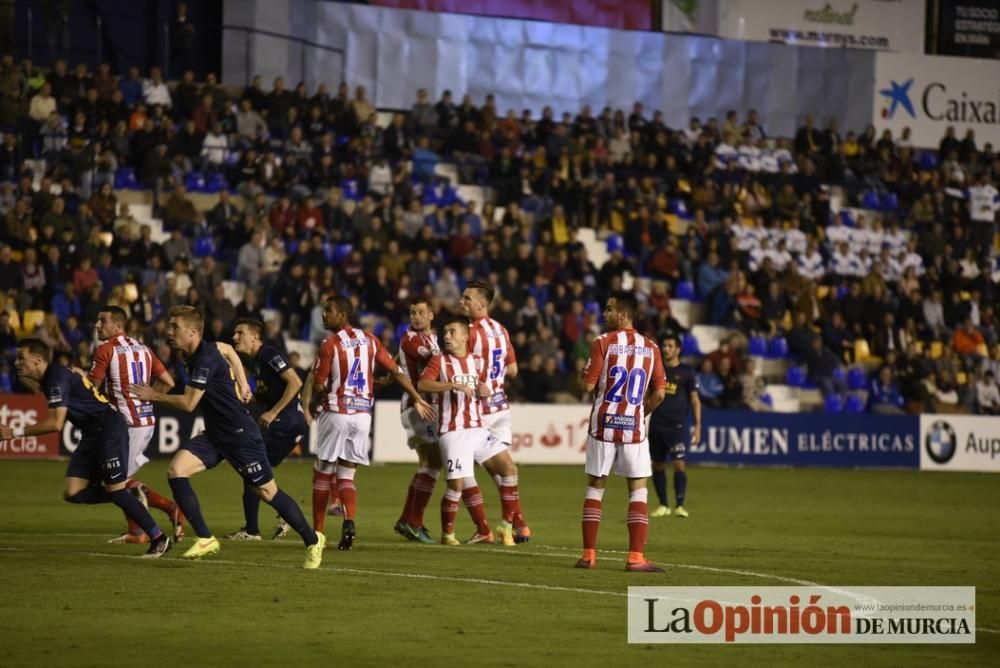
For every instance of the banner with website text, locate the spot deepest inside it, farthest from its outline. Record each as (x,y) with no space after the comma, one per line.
(557,434)
(929,94)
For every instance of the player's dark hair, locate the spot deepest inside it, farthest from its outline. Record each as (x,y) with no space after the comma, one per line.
(672,336)
(117,314)
(457,321)
(421,299)
(256,325)
(190,315)
(342,304)
(485,289)
(36,347)
(626,303)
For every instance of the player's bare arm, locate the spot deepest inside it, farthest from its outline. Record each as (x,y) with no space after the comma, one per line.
(54,421)
(293,384)
(163,383)
(654,399)
(437,386)
(511,371)
(424,409)
(186,402)
(236,364)
(696,412)
(308,390)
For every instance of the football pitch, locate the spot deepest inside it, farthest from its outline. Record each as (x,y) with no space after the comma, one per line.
(69,599)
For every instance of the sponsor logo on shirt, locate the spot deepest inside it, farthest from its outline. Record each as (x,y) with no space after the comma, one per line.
(498,399)
(278,363)
(55,395)
(623,422)
(200,375)
(358,403)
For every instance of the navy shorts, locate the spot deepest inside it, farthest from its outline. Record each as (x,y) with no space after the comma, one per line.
(668,440)
(283,435)
(248,457)
(103,454)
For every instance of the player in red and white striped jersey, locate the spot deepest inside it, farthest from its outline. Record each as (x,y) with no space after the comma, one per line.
(490,341)
(623,366)
(119,363)
(458,379)
(418,345)
(343,379)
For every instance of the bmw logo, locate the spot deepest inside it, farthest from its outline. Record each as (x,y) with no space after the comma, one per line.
(941,442)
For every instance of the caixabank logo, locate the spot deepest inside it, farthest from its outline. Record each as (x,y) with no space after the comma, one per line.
(941,442)
(937,102)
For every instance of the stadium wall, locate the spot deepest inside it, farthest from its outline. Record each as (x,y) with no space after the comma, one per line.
(533,64)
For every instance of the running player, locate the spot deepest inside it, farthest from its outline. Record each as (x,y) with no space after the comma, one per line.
(282,423)
(668,433)
(119,362)
(230,434)
(343,378)
(623,366)
(103,452)
(458,380)
(419,344)
(489,340)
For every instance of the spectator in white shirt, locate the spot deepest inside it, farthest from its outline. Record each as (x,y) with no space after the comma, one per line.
(984,202)
(934,312)
(759,254)
(154,89)
(837,233)
(843,262)
(988,394)
(214,149)
(888,265)
(810,263)
(876,238)
(969,265)
(896,240)
(912,258)
(380,178)
(795,239)
(780,257)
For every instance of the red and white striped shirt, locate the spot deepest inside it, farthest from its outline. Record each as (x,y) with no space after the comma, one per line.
(414,351)
(455,410)
(119,363)
(345,366)
(490,341)
(622,366)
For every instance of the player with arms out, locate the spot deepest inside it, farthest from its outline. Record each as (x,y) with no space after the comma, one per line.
(282,424)
(490,341)
(419,345)
(230,434)
(343,378)
(102,455)
(623,365)
(458,379)
(668,433)
(118,363)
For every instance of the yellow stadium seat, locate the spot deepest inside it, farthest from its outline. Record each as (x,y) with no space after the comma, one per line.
(961,378)
(33,319)
(15,319)
(822,292)
(861,350)
(131,292)
(981,349)
(964,295)
(684,186)
(937,349)
(107,238)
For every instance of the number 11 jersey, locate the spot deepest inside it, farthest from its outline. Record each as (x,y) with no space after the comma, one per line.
(345,367)
(623,365)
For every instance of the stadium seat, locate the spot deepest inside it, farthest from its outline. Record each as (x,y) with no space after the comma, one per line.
(839,374)
(194,182)
(937,349)
(204,246)
(689,346)
(767,400)
(861,351)
(856,378)
(777,348)
(757,346)
(870,200)
(847,218)
(125,179)
(215,183)
(614,244)
(32,320)
(340,252)
(795,376)
(832,403)
(855,405)
(401,331)
(889,202)
(928,161)
(131,292)
(685,290)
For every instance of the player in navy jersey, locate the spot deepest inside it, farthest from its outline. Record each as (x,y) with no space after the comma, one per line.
(231,434)
(103,453)
(668,432)
(282,422)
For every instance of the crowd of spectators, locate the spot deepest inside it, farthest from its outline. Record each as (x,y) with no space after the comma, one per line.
(316,196)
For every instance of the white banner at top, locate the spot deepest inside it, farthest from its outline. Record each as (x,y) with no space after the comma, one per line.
(930,93)
(885,25)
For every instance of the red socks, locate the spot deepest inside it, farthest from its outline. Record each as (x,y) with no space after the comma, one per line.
(348,492)
(638,524)
(449,510)
(421,489)
(321,495)
(477,509)
(591,517)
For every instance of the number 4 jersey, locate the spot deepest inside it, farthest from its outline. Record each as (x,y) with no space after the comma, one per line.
(345,366)
(489,341)
(622,366)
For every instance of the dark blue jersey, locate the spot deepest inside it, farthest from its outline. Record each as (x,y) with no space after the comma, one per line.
(681,384)
(87,408)
(267,370)
(226,418)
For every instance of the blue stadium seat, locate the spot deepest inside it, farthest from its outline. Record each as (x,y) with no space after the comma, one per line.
(591,307)
(777,348)
(615,243)
(291,246)
(685,290)
(870,200)
(204,246)
(194,182)
(928,161)
(833,404)
(795,376)
(401,330)
(125,179)
(855,405)
(839,374)
(689,346)
(856,378)
(328,250)
(378,329)
(767,400)
(889,202)
(847,219)
(350,189)
(757,346)
(678,207)
(340,252)
(216,183)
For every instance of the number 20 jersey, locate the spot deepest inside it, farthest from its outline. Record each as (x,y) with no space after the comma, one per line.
(345,367)
(623,365)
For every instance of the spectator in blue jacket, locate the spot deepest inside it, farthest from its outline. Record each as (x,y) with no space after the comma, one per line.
(884,397)
(710,276)
(710,386)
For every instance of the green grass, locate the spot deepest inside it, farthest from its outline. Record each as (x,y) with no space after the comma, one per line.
(67,598)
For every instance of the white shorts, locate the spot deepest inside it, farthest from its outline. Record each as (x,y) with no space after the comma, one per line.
(418,430)
(629,460)
(138,439)
(499,426)
(489,448)
(343,437)
(458,448)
